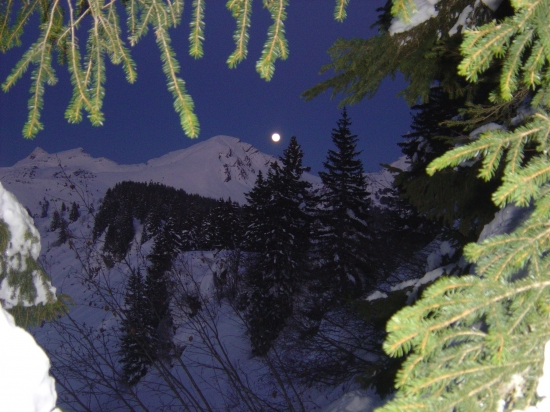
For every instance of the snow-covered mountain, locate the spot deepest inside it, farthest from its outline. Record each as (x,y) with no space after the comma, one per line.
(220,167)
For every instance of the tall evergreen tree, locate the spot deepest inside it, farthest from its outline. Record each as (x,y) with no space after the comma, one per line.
(157,294)
(55,223)
(279,231)
(137,334)
(44,207)
(75,213)
(58,223)
(64,234)
(344,258)
(255,213)
(223,226)
(457,199)
(119,235)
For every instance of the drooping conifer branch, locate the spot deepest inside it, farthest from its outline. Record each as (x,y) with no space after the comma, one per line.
(182,101)
(43,73)
(11,36)
(340,12)
(196,38)
(276,45)
(61,20)
(241,11)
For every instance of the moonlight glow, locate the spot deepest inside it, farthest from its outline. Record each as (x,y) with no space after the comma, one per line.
(275,137)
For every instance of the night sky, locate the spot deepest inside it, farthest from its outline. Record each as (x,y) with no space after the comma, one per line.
(141,123)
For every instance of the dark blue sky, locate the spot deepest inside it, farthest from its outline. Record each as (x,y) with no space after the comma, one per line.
(141,123)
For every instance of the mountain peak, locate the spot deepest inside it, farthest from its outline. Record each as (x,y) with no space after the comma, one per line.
(40,156)
(220,167)
(37,152)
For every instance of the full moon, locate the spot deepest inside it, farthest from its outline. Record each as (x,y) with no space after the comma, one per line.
(275,137)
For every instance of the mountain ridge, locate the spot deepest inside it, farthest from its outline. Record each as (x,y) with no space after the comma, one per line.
(220,167)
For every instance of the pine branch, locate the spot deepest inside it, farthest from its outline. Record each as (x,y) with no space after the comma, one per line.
(43,73)
(10,36)
(533,65)
(80,80)
(182,101)
(196,38)
(241,11)
(96,61)
(512,64)
(176,10)
(524,186)
(275,46)
(340,10)
(120,53)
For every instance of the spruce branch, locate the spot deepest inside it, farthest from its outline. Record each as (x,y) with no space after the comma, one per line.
(5,16)
(275,46)
(96,62)
(476,342)
(241,11)
(524,186)
(144,14)
(80,80)
(11,36)
(512,39)
(462,351)
(481,46)
(43,73)
(182,101)
(175,8)
(533,66)
(491,146)
(340,12)
(196,38)
(512,64)
(120,54)
(132,10)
